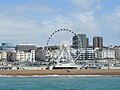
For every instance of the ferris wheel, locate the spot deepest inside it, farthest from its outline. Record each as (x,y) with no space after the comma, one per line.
(62,38)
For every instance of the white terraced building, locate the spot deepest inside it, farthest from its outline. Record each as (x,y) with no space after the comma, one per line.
(3,55)
(26,56)
(105,54)
(108,54)
(22,56)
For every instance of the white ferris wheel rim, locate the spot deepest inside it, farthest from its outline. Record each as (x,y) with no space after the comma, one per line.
(64,44)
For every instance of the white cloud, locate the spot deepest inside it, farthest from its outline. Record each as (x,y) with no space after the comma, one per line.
(13,28)
(15,25)
(58,22)
(33,8)
(87,21)
(25,28)
(83,3)
(113,19)
(25,8)
(87,4)
(112,27)
(81,22)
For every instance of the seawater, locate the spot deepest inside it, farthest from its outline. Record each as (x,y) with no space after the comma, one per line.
(60,83)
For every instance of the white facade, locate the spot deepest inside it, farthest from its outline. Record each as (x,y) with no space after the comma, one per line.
(25,56)
(17,56)
(90,54)
(31,56)
(108,54)
(0,57)
(22,56)
(85,54)
(98,54)
(4,55)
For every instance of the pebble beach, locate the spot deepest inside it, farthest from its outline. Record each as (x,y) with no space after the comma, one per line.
(60,72)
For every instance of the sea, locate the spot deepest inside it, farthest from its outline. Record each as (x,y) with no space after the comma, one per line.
(60,82)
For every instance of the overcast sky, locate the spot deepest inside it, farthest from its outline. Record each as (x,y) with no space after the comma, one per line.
(33,21)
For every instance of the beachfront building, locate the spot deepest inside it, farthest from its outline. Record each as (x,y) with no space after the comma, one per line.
(84,57)
(26,56)
(32,56)
(17,55)
(0,57)
(21,56)
(3,55)
(117,52)
(108,54)
(105,54)
(98,54)
(83,54)
(86,54)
